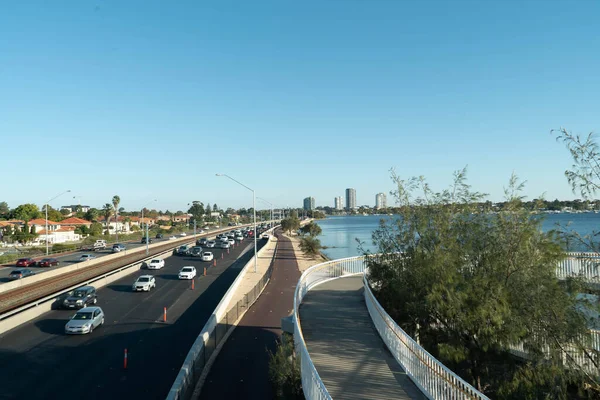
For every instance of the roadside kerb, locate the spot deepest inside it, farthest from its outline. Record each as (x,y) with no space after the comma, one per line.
(86,264)
(33,310)
(215,330)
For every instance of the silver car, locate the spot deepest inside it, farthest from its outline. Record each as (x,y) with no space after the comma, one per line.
(84,321)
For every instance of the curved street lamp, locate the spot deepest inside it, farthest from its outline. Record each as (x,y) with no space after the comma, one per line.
(254,210)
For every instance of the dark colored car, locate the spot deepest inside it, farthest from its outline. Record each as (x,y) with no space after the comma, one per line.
(81,297)
(159,235)
(25,262)
(201,242)
(118,247)
(20,273)
(48,262)
(146,240)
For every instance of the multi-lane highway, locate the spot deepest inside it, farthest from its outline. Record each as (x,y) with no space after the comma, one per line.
(39,361)
(72,258)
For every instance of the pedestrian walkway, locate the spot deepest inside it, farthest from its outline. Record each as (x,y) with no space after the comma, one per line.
(241,369)
(348,353)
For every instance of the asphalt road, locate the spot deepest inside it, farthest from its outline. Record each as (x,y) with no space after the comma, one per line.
(40,362)
(241,370)
(72,258)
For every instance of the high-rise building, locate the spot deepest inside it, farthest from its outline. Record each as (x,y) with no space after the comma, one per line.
(338,203)
(309,203)
(350,199)
(380,201)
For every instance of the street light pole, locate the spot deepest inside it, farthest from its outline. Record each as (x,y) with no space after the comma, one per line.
(254,209)
(147,238)
(271,204)
(47,203)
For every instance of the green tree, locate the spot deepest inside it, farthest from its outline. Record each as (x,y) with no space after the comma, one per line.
(64,212)
(284,370)
(197,211)
(215,208)
(107,211)
(91,215)
(311,246)
(26,212)
(95,229)
(4,210)
(311,229)
(53,214)
(468,285)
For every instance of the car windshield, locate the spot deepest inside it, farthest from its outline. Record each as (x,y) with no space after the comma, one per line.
(83,315)
(16,272)
(187,269)
(22,259)
(155,262)
(85,256)
(143,279)
(207,254)
(182,248)
(79,293)
(46,259)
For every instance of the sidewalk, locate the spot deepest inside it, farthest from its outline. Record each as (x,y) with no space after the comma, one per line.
(241,368)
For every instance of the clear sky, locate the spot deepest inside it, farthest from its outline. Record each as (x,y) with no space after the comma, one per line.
(149,99)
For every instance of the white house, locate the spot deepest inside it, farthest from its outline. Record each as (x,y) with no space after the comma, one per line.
(56,232)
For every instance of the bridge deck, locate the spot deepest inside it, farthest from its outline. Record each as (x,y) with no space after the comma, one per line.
(347,351)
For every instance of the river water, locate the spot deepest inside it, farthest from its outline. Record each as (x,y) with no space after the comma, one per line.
(340,234)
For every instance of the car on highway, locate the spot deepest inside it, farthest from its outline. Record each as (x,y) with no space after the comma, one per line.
(231,241)
(210,243)
(224,244)
(264,236)
(20,274)
(207,256)
(201,242)
(118,247)
(239,238)
(182,250)
(196,251)
(86,257)
(25,262)
(81,297)
(188,272)
(144,283)
(159,236)
(172,238)
(84,321)
(183,234)
(146,240)
(48,262)
(156,263)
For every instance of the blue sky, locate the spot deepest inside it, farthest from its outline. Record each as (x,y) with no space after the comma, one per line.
(150,99)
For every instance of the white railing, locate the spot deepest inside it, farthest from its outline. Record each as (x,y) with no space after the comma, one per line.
(432,377)
(586,265)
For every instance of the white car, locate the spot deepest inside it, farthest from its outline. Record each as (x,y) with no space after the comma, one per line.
(224,244)
(86,257)
(187,273)
(210,243)
(84,321)
(183,234)
(172,238)
(202,231)
(144,283)
(157,263)
(207,256)
(264,236)
(231,241)
(239,238)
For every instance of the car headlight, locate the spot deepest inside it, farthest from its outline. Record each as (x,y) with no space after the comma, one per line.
(79,301)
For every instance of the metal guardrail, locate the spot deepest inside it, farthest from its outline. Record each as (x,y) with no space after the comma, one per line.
(431,376)
(215,330)
(585,265)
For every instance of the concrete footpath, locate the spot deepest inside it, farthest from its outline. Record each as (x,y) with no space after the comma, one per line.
(241,369)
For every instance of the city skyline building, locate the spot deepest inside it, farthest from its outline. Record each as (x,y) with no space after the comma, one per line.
(337,203)
(350,199)
(380,201)
(309,203)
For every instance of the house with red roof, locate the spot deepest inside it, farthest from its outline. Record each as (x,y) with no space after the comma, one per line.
(56,233)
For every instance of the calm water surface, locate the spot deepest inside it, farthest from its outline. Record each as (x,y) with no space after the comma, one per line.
(340,234)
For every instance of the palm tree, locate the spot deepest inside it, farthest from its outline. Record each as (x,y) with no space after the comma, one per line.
(116,200)
(107,210)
